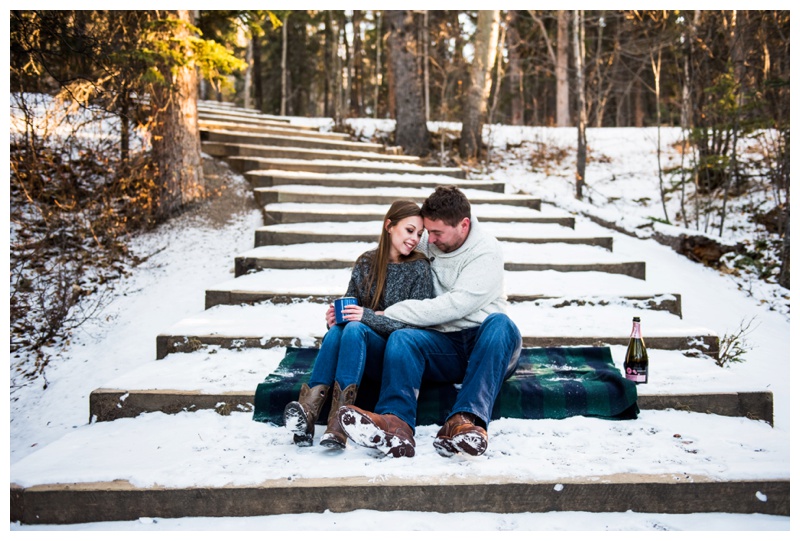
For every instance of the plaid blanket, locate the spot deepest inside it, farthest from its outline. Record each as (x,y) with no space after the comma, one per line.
(550,383)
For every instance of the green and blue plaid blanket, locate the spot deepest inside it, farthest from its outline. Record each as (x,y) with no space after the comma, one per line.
(550,383)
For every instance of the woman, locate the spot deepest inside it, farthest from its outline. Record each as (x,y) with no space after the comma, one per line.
(391,273)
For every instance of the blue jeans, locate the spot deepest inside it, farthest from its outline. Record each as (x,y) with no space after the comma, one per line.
(480,359)
(347,351)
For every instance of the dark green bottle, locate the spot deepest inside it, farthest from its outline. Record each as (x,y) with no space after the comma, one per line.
(636,364)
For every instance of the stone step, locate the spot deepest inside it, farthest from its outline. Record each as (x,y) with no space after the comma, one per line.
(268,325)
(215,465)
(307,141)
(289,213)
(270,178)
(226,380)
(276,128)
(385,197)
(230,150)
(526,233)
(245,164)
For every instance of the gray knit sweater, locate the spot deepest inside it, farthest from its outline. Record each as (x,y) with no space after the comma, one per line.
(468,285)
(411,280)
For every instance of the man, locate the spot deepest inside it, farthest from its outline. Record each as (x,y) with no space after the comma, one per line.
(468,339)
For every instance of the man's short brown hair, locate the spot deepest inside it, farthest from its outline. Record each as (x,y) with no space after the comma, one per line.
(448,204)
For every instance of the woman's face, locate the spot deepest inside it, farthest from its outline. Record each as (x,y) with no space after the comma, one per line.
(404,236)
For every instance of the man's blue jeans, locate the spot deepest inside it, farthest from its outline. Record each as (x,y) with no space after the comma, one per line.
(346,352)
(480,359)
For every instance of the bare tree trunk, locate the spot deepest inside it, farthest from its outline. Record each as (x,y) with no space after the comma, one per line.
(655,62)
(176,137)
(248,73)
(411,130)
(577,30)
(486,34)
(284,70)
(378,73)
(258,87)
(357,81)
(498,79)
(562,62)
(514,70)
(326,109)
(426,65)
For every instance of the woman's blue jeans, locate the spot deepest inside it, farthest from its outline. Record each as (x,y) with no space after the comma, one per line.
(346,352)
(479,359)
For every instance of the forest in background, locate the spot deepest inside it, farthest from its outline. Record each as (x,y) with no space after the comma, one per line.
(76,196)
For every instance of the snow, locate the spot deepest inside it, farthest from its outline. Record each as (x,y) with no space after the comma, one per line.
(166,294)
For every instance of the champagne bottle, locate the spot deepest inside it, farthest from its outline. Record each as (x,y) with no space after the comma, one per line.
(636,364)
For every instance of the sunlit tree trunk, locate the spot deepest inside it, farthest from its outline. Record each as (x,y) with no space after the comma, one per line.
(486,36)
(175,133)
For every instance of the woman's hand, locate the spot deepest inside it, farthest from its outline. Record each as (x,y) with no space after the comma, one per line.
(330,317)
(353,312)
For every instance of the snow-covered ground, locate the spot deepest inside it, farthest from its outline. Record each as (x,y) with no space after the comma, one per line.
(190,256)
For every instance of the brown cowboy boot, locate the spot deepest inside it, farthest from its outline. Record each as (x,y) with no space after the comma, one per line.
(299,417)
(460,434)
(334,436)
(387,433)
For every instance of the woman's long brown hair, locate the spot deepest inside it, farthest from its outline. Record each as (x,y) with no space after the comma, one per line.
(380,262)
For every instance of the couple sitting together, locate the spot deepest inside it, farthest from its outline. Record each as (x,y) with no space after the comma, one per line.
(429,310)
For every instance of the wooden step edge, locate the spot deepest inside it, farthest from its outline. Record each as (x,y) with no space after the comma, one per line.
(232,125)
(242,164)
(273,217)
(290,139)
(673,493)
(264,237)
(223,150)
(267,179)
(216,297)
(166,343)
(110,404)
(266,196)
(244,265)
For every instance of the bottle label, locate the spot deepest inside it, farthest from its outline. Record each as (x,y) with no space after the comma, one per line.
(637,376)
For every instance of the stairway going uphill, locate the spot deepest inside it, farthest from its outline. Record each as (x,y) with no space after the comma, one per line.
(323,197)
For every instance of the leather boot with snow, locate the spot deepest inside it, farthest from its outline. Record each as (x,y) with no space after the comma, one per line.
(300,416)
(334,437)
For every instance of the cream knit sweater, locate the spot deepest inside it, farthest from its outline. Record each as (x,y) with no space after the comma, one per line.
(468,284)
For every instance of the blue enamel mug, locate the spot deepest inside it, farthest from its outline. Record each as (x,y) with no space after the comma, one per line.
(339,304)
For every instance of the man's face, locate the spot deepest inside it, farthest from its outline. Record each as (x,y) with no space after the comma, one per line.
(446,237)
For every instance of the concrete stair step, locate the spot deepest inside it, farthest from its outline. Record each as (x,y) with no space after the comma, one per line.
(289,139)
(277,128)
(244,164)
(317,232)
(386,195)
(268,325)
(227,465)
(287,213)
(226,380)
(269,178)
(226,150)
